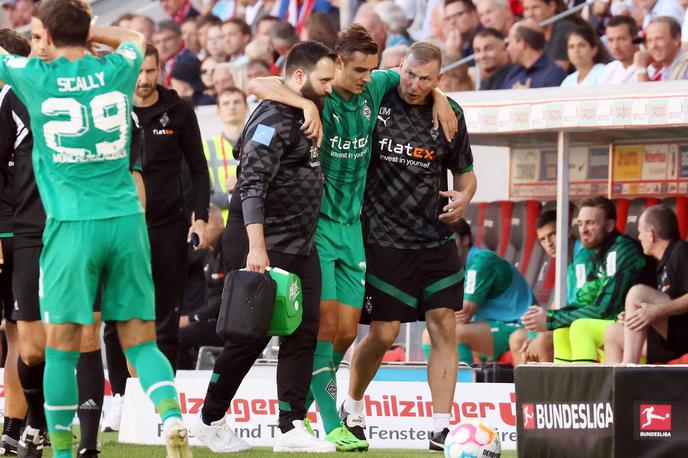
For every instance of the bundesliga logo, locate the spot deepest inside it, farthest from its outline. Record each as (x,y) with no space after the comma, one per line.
(655,420)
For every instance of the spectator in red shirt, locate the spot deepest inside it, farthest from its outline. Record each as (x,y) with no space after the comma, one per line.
(179,10)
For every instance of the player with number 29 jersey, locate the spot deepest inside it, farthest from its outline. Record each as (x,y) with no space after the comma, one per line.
(82,130)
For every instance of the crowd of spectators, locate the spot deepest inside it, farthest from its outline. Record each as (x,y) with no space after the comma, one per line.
(207,46)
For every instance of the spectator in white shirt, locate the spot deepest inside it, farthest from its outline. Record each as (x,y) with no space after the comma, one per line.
(621,31)
(587,55)
(656,8)
(663,60)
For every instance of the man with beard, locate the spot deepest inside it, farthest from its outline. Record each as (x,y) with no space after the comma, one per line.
(407,216)
(272,223)
(616,264)
(171,137)
(349,119)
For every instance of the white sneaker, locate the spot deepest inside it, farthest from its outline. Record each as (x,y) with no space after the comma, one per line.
(113,417)
(299,440)
(176,439)
(218,436)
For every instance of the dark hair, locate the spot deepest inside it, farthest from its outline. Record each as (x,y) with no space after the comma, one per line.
(321,27)
(243,26)
(284,31)
(306,55)
(489,32)
(470,6)
(266,18)
(462,229)
(628,21)
(535,39)
(674,26)
(545,218)
(170,25)
(353,39)
(14,43)
(425,53)
(259,62)
(152,51)
(587,34)
(208,19)
(232,90)
(602,203)
(663,221)
(67,21)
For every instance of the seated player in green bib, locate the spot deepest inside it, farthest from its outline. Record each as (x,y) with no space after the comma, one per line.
(617,262)
(531,346)
(495,296)
(95,233)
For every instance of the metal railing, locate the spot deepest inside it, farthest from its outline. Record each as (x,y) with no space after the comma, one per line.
(544,23)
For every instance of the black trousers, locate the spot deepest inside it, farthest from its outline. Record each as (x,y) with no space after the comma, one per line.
(169,254)
(295,360)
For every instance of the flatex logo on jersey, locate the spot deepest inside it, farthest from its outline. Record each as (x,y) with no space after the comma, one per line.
(164,120)
(654,420)
(545,416)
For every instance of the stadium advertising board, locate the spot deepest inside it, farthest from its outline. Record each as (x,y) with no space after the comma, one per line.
(565,411)
(398,414)
(651,404)
(602,411)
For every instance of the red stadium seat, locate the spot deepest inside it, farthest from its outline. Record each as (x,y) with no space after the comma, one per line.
(621,214)
(544,283)
(496,227)
(471,217)
(479,225)
(522,236)
(680,206)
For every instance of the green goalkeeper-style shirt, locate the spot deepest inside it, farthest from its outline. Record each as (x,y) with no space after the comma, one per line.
(608,277)
(81,126)
(346,148)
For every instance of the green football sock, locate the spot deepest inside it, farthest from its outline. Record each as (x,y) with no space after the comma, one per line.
(324,385)
(61,399)
(465,354)
(337,357)
(156,378)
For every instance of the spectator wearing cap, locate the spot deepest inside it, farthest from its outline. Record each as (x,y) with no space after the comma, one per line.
(664,60)
(168,40)
(495,14)
(235,36)
(555,33)
(17,12)
(392,57)
(491,58)
(185,78)
(653,9)
(587,55)
(395,22)
(527,50)
(144,25)
(621,31)
(179,10)
(461,25)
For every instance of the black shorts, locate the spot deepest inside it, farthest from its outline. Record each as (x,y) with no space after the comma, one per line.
(661,350)
(6,277)
(25,283)
(403,284)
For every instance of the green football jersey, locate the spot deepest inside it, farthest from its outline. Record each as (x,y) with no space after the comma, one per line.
(346,147)
(81,124)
